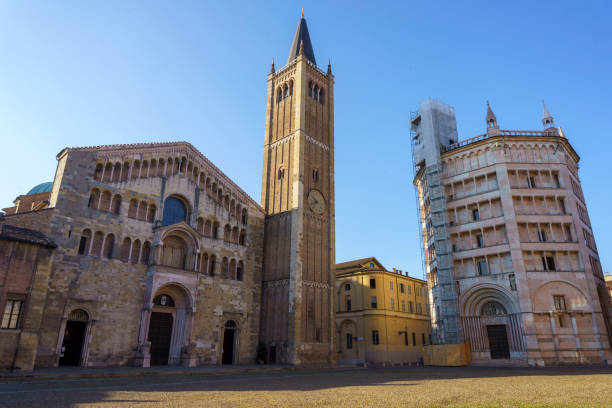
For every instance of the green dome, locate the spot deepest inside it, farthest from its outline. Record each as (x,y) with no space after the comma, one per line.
(41,188)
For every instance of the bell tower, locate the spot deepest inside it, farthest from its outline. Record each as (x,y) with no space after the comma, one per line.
(297,323)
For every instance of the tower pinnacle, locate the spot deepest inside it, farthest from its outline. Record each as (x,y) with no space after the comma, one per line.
(301,36)
(547,119)
(491,119)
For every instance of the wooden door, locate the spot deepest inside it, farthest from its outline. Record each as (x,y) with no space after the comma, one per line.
(160,335)
(498,341)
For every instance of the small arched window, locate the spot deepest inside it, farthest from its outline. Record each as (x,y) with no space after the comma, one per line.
(116,204)
(151,213)
(310,89)
(146,253)
(242,238)
(244,216)
(105,201)
(174,211)
(94,198)
(240,271)
(125,249)
(84,242)
(281,173)
(315,175)
(133,208)
(212,265)
(135,258)
(109,244)
(321,96)
(98,172)
(96,245)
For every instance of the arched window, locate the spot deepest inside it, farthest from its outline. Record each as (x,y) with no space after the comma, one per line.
(244,216)
(315,175)
(144,170)
(153,168)
(215,230)
(125,249)
(208,229)
(133,208)
(220,195)
(174,211)
(108,169)
(125,171)
(98,172)
(212,265)
(225,268)
(135,251)
(227,231)
(240,271)
(183,168)
(109,244)
(242,238)
(226,201)
(200,225)
(142,210)
(310,89)
(84,241)
(321,96)
(203,263)
(279,95)
(281,173)
(116,204)
(136,169)
(174,252)
(492,309)
(161,166)
(105,201)
(146,253)
(235,234)
(96,245)
(117,172)
(94,198)
(151,213)
(232,269)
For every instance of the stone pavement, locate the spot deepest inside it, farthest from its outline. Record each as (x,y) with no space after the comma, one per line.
(68,373)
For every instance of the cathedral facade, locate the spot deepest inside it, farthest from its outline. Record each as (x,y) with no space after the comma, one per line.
(159,258)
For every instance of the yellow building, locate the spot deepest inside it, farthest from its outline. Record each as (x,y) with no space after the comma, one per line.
(382,317)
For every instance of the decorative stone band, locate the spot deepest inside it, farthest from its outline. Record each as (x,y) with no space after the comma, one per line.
(276,283)
(283,140)
(290,137)
(317,143)
(312,284)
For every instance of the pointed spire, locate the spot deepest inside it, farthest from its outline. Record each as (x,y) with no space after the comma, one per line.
(491,119)
(329,71)
(301,39)
(272,69)
(547,119)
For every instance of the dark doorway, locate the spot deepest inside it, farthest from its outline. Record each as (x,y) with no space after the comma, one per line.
(272,358)
(160,334)
(498,341)
(228,342)
(72,345)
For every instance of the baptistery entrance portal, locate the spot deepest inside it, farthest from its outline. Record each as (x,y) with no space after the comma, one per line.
(160,329)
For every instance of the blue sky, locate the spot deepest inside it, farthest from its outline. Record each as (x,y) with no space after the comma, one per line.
(76,73)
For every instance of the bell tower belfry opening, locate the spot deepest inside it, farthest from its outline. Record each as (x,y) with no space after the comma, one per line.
(298,197)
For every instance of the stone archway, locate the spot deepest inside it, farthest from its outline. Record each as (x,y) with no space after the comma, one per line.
(348,339)
(74,338)
(491,321)
(169,324)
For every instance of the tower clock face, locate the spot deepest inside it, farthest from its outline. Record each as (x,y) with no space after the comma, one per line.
(316,201)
